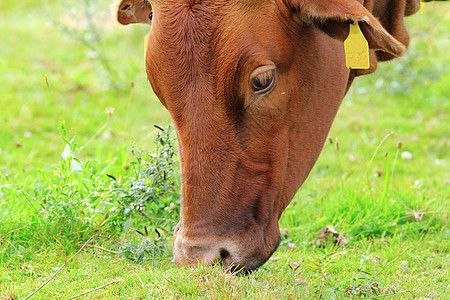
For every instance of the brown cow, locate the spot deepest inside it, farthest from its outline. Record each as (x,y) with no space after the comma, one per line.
(252,87)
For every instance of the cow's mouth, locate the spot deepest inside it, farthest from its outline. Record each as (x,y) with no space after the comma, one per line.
(250,265)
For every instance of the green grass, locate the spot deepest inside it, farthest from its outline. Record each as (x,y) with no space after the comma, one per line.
(397,225)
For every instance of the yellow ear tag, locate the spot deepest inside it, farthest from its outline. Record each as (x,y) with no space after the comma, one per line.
(356,49)
(146,44)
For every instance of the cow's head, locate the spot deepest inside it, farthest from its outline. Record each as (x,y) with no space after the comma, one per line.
(252,87)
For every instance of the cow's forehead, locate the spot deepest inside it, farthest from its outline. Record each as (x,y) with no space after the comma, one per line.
(210,7)
(191,3)
(199,22)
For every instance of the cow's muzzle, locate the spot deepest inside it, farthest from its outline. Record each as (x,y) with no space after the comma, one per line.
(241,254)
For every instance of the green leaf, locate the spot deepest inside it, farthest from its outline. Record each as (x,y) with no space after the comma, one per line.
(127,225)
(130,246)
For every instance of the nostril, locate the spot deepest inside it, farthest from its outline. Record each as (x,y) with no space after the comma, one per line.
(224,254)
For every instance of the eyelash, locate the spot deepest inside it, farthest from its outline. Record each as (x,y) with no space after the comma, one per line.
(263,82)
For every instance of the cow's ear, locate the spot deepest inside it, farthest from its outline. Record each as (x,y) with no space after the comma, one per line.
(133,11)
(334,16)
(391,15)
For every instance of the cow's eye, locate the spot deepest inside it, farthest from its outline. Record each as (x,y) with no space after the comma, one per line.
(263,80)
(150,16)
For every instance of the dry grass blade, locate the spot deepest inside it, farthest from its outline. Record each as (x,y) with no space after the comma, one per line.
(375,153)
(60,268)
(94,290)
(12,231)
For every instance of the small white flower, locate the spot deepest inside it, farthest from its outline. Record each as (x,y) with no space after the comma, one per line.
(407,155)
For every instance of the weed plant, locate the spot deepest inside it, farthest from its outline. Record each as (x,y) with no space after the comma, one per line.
(152,191)
(74,201)
(148,249)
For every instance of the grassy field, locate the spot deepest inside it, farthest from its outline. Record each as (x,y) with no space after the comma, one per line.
(75,99)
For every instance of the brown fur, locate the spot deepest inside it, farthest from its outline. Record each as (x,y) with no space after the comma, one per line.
(244,155)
